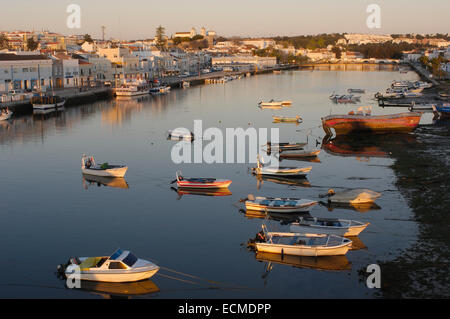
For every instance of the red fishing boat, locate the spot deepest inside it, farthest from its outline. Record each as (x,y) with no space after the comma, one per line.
(377,124)
(201,183)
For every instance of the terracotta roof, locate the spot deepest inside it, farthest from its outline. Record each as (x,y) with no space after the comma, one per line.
(14,57)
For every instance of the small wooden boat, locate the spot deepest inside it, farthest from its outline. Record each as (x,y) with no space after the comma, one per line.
(122,266)
(415,107)
(270,103)
(5,114)
(292,172)
(352,196)
(356,91)
(89,167)
(43,101)
(340,227)
(314,245)
(279,205)
(180,134)
(285,146)
(296,119)
(286,103)
(299,154)
(201,183)
(377,124)
(442,110)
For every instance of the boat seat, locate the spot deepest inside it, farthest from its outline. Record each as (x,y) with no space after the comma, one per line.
(89,263)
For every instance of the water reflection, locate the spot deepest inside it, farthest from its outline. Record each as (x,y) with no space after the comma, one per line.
(201,192)
(360,208)
(327,263)
(90,180)
(283,218)
(110,290)
(300,182)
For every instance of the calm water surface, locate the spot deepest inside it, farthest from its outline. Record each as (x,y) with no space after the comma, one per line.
(48,213)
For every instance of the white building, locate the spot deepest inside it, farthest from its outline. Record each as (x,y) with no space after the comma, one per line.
(260,43)
(24,72)
(71,70)
(259,62)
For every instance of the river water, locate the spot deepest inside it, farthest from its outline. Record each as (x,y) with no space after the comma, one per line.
(48,212)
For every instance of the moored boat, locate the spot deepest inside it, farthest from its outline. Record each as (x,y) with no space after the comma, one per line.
(352,196)
(296,119)
(292,172)
(442,109)
(44,101)
(136,88)
(121,266)
(89,167)
(356,91)
(301,244)
(299,154)
(378,124)
(180,134)
(270,103)
(279,205)
(201,183)
(285,146)
(5,114)
(340,227)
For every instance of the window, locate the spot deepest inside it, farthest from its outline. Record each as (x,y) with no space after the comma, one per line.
(116,265)
(25,70)
(130,260)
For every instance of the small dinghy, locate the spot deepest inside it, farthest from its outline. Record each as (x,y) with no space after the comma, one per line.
(301,244)
(340,227)
(356,91)
(299,154)
(352,196)
(180,134)
(201,183)
(270,103)
(296,119)
(285,146)
(279,205)
(443,110)
(122,266)
(89,167)
(286,103)
(5,114)
(293,172)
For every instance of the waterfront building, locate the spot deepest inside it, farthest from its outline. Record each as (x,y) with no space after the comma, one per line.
(24,71)
(256,61)
(71,70)
(259,43)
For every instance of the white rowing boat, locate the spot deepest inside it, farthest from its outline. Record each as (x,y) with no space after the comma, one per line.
(122,266)
(293,172)
(296,119)
(271,103)
(180,134)
(89,167)
(340,227)
(279,205)
(302,244)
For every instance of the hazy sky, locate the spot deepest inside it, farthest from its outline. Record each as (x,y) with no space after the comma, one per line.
(134,19)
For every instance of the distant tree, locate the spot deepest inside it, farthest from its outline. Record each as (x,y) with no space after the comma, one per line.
(88,38)
(4,44)
(197,37)
(160,37)
(337,51)
(32,44)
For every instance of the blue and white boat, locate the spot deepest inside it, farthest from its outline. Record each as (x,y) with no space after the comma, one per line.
(443,109)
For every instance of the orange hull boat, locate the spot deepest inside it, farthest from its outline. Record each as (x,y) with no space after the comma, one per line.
(378,124)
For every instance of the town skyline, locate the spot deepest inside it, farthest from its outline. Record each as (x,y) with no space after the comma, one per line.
(241,19)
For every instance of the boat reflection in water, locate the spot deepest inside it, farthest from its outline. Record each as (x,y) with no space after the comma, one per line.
(202,192)
(110,290)
(47,113)
(115,182)
(280,217)
(357,243)
(301,182)
(324,263)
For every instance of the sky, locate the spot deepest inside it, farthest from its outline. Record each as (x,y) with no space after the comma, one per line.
(138,19)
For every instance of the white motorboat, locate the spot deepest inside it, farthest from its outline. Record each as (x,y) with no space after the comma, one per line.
(180,134)
(292,172)
(340,227)
(5,114)
(122,266)
(301,244)
(279,205)
(133,89)
(352,196)
(89,167)
(160,90)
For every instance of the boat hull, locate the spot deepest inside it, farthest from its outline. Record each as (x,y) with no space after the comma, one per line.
(339,231)
(212,185)
(114,172)
(251,206)
(125,276)
(48,106)
(303,250)
(381,124)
